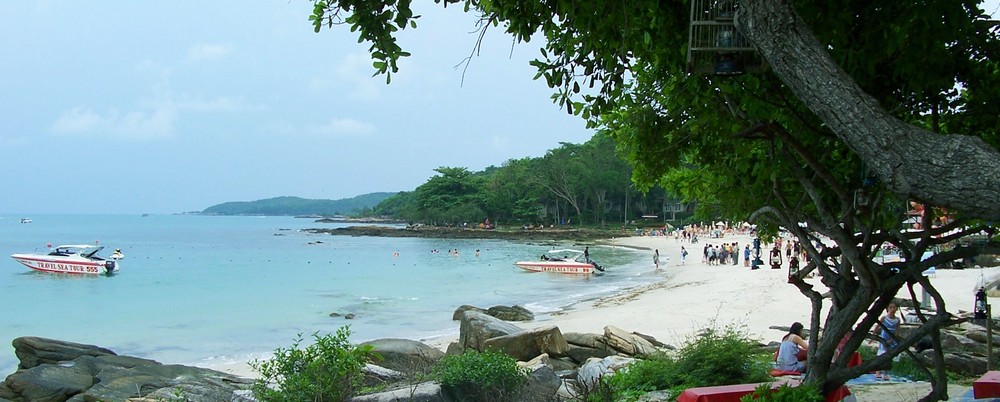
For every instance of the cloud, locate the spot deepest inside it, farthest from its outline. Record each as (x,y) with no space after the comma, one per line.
(207,51)
(353,77)
(220,104)
(343,128)
(134,125)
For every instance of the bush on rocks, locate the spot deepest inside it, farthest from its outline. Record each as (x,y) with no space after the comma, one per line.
(329,370)
(487,376)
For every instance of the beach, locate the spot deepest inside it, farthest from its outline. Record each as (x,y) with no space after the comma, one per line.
(694,295)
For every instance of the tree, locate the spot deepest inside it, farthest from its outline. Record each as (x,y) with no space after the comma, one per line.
(867,106)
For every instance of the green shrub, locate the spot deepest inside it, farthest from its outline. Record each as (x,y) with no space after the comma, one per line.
(481,376)
(713,357)
(784,393)
(328,370)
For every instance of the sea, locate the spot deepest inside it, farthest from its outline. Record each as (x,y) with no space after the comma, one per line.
(217,290)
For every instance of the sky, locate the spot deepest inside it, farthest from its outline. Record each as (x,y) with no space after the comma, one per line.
(126,107)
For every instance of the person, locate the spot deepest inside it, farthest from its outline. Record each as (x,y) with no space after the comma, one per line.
(656,258)
(886,329)
(586,253)
(746,256)
(793,350)
(684,254)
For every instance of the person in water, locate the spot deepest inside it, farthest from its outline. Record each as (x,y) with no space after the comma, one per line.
(792,352)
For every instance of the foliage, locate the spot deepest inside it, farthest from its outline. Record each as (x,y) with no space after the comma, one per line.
(784,393)
(572,183)
(752,147)
(481,376)
(716,356)
(328,370)
(290,206)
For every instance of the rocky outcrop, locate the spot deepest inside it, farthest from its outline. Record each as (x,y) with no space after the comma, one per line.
(506,313)
(627,342)
(594,369)
(526,345)
(477,327)
(56,371)
(405,355)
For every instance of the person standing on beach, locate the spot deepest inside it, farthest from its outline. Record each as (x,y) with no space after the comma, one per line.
(746,256)
(656,258)
(684,254)
(885,330)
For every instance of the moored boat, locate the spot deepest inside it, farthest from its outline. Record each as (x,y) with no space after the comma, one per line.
(72,259)
(571,262)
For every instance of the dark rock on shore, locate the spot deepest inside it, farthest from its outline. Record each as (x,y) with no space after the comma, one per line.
(56,371)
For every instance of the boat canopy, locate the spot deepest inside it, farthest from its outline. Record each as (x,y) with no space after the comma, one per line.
(565,250)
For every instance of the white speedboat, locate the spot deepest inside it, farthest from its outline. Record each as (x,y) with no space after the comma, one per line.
(25,220)
(72,259)
(563,261)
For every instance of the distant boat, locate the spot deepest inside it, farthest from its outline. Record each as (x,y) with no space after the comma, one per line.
(72,259)
(574,264)
(145,215)
(25,220)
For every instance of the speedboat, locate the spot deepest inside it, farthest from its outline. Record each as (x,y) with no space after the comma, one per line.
(72,259)
(25,220)
(571,262)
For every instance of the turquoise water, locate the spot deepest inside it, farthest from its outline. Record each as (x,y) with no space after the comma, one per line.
(204,290)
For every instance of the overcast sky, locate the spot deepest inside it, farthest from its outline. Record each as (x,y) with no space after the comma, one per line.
(172,106)
(161,107)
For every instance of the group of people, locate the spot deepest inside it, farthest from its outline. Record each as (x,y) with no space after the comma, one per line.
(724,254)
(793,351)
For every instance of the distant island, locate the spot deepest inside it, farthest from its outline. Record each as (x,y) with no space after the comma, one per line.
(297,206)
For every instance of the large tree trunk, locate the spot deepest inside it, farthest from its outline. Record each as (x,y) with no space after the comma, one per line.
(959,172)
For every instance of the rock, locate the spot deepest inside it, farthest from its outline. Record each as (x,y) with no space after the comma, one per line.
(542,385)
(979,335)
(595,341)
(526,345)
(581,354)
(91,373)
(627,342)
(511,313)
(457,315)
(653,341)
(50,383)
(380,376)
(33,351)
(422,392)
(476,328)
(404,355)
(965,363)
(594,369)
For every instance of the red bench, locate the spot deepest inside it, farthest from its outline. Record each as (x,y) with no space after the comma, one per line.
(733,393)
(987,386)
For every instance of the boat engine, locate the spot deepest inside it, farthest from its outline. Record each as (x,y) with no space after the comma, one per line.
(109,266)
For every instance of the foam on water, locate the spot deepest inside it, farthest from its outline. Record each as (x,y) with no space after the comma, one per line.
(204,290)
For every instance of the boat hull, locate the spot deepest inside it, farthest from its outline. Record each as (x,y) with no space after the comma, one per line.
(575,268)
(66,266)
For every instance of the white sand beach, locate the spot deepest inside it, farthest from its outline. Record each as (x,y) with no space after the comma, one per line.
(692,295)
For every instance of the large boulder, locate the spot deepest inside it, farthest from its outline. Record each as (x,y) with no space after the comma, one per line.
(33,351)
(422,392)
(581,354)
(97,374)
(476,328)
(543,383)
(405,355)
(627,342)
(595,341)
(594,369)
(526,345)
(511,313)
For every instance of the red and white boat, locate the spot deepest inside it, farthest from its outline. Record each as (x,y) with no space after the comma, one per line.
(563,261)
(72,259)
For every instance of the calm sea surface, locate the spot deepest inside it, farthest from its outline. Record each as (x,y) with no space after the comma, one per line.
(204,290)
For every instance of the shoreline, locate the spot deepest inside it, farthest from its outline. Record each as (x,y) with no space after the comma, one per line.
(695,295)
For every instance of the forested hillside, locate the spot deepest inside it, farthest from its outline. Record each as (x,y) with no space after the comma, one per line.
(573,184)
(291,206)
